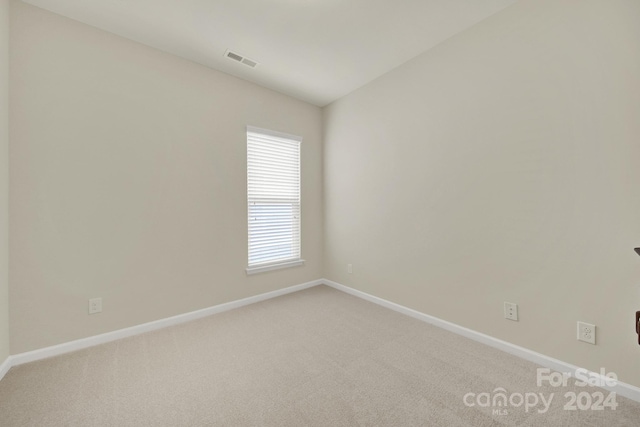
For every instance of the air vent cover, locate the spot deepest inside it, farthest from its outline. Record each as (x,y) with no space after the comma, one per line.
(241,59)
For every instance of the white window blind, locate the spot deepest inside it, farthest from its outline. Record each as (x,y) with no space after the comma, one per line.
(273,195)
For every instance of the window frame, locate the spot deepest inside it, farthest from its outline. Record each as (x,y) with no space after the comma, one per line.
(281,263)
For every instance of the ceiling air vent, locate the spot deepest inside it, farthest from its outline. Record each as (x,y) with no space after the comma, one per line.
(241,59)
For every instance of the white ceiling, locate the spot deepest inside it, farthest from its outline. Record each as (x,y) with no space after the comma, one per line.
(314,50)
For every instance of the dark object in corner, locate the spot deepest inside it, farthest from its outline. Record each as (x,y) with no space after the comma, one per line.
(638,325)
(637,250)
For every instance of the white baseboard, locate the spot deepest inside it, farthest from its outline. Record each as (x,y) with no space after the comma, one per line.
(627,390)
(43,353)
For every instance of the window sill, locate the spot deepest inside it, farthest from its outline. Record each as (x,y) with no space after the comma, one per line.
(270,267)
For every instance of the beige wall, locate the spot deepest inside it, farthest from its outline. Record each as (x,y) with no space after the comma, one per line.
(4,180)
(128,182)
(503,165)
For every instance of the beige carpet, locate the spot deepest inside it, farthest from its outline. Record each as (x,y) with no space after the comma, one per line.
(316,357)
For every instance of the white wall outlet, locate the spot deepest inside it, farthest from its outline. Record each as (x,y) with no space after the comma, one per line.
(511,311)
(587,332)
(95,305)
(350,268)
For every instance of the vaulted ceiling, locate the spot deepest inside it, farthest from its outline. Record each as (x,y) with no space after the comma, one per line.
(314,50)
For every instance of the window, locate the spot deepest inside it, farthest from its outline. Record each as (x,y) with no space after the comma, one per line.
(273,196)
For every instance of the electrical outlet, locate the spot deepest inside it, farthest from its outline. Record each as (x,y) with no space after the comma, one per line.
(95,305)
(587,332)
(511,311)
(350,268)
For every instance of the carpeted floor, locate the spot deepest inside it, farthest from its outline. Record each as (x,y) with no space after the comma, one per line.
(316,357)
